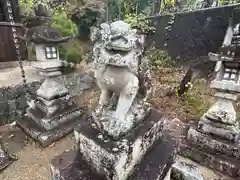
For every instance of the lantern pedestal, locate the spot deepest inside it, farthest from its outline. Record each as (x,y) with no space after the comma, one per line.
(54,113)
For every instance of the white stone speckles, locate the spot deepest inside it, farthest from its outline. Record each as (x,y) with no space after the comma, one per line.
(115,149)
(100,136)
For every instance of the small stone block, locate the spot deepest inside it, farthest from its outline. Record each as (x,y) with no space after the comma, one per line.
(70,165)
(46,138)
(225,86)
(184,171)
(50,74)
(226,96)
(47,64)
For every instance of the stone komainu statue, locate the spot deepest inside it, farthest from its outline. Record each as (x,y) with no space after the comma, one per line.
(120,69)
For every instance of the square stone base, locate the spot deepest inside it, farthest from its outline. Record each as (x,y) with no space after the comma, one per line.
(210,151)
(70,165)
(117,159)
(47,137)
(137,114)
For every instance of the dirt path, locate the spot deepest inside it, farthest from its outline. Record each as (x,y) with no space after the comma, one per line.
(33,162)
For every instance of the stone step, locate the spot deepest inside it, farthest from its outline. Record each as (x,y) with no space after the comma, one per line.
(213,143)
(185,171)
(47,137)
(224,164)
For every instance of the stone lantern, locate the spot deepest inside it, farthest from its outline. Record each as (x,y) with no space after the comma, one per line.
(215,140)
(53,113)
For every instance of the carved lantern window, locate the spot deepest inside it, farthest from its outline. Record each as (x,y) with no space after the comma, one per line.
(230,74)
(51,52)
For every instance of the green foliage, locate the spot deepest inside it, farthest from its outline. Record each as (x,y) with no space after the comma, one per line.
(158,58)
(63,24)
(85,15)
(130,6)
(70,51)
(137,6)
(26,7)
(140,22)
(74,56)
(199,98)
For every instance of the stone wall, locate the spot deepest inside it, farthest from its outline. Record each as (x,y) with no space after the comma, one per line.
(12,99)
(193,34)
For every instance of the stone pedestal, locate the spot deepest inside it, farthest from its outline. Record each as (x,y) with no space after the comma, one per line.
(53,113)
(143,153)
(215,142)
(213,152)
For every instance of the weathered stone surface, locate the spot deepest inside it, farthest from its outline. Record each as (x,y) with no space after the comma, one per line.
(60,117)
(50,74)
(184,171)
(136,115)
(225,86)
(222,111)
(50,89)
(47,65)
(44,137)
(70,165)
(117,159)
(214,144)
(5,159)
(4,107)
(224,131)
(222,163)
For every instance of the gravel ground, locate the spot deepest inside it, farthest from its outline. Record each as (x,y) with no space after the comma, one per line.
(12,76)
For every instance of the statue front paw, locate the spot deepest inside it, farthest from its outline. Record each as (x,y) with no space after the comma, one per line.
(98,110)
(116,125)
